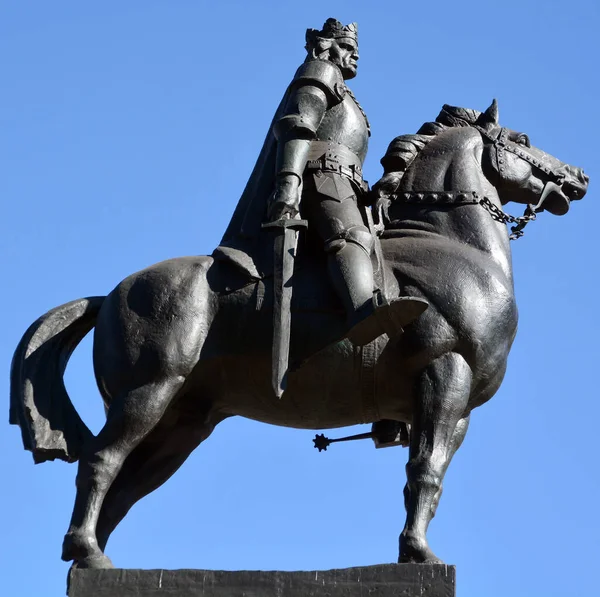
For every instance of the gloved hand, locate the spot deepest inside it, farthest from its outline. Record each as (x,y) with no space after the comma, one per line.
(285,202)
(380,197)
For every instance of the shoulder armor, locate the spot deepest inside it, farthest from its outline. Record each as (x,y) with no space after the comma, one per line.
(323,74)
(402,151)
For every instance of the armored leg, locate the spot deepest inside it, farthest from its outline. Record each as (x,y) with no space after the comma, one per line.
(349,244)
(369,313)
(350,267)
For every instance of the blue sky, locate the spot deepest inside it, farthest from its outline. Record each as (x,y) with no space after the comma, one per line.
(128,132)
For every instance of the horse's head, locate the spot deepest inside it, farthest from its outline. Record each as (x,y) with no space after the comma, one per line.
(523,173)
(467,150)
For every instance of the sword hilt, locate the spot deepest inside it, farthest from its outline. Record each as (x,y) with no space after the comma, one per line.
(283,224)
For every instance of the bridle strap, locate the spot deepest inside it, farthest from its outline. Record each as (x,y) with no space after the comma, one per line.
(443,198)
(501,145)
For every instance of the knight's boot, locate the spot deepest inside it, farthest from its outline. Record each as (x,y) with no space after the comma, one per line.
(370,314)
(379,316)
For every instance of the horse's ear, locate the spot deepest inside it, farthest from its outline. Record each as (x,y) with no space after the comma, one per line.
(491,114)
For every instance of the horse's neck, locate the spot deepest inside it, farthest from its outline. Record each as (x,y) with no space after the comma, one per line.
(451,162)
(441,170)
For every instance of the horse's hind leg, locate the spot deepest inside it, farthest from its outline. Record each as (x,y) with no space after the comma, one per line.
(455,443)
(130,418)
(150,464)
(439,426)
(457,439)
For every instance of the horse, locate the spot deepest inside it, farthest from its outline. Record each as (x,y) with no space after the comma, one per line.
(186,343)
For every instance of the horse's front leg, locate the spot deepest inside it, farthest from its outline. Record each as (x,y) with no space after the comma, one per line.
(439,425)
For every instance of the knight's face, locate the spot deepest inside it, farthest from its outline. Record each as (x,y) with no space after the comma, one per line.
(344,53)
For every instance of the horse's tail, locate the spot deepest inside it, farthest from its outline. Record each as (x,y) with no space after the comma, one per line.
(39,403)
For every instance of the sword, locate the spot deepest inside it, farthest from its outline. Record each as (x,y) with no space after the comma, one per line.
(286,241)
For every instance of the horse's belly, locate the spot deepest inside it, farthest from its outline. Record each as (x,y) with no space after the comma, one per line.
(323,393)
(337,387)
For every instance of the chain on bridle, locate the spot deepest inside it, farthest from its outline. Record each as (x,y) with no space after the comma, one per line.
(499,215)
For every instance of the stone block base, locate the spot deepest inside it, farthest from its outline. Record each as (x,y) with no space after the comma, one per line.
(389,580)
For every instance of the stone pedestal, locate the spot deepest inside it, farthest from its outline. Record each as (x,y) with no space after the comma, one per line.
(390,580)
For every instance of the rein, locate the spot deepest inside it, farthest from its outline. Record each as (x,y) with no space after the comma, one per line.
(457,198)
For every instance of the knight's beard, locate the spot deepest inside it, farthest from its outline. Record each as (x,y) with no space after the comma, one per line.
(349,72)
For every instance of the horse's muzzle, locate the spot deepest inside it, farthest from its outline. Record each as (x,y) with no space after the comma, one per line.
(575,187)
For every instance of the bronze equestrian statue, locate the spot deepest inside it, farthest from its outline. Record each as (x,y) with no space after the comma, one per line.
(187,343)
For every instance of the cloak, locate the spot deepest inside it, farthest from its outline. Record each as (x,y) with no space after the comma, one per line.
(241,243)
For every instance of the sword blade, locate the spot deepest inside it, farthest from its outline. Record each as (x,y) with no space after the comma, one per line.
(285,252)
(285,243)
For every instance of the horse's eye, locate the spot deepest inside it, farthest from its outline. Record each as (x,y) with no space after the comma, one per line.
(523,139)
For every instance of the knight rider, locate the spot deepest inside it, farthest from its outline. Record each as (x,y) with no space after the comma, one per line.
(318,142)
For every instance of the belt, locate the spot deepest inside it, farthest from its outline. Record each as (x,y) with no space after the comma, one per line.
(329,156)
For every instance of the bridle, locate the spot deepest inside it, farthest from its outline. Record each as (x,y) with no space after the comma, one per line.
(500,145)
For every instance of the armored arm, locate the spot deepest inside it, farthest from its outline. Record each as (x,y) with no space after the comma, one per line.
(317,86)
(396,161)
(304,111)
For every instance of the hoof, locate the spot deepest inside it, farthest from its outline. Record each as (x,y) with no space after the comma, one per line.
(95,562)
(414,551)
(77,546)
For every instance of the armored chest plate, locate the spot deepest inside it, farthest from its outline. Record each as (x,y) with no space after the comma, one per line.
(346,124)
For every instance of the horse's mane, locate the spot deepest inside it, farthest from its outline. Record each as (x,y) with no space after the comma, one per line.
(403,150)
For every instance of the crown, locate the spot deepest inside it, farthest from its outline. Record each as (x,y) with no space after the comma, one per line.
(333,29)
